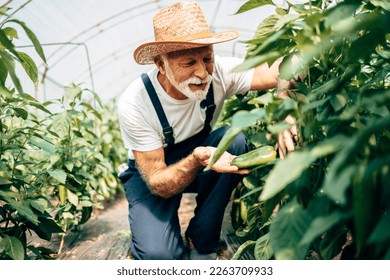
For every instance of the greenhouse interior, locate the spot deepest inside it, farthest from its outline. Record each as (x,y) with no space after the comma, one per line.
(308,183)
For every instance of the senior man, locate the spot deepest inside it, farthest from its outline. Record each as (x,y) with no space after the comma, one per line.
(166,118)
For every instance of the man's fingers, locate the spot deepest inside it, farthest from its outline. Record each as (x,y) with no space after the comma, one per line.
(202,153)
(281,146)
(294,131)
(288,141)
(242,171)
(223,165)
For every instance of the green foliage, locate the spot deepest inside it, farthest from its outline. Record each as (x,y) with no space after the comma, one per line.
(332,191)
(55,167)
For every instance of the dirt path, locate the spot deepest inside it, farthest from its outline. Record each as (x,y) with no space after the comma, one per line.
(106,235)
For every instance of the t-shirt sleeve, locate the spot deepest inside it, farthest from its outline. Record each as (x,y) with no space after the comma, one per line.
(138,132)
(235,82)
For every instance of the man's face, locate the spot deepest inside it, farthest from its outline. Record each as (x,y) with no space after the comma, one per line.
(190,71)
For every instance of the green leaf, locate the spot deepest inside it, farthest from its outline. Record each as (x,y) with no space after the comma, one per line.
(61,124)
(21,113)
(39,204)
(42,144)
(252,4)
(13,247)
(385,4)
(339,14)
(278,179)
(3,10)
(29,66)
(286,18)
(342,168)
(86,214)
(287,229)
(380,233)
(320,225)
(93,110)
(263,99)
(250,182)
(63,194)
(252,62)
(39,106)
(324,88)
(59,175)
(247,245)
(370,41)
(365,200)
(69,165)
(97,98)
(4,182)
(68,216)
(245,119)
(3,72)
(22,206)
(268,41)
(332,243)
(286,107)
(336,186)
(265,29)
(10,66)
(73,198)
(7,43)
(338,102)
(315,104)
(296,163)
(11,32)
(46,228)
(278,128)
(291,66)
(263,249)
(86,203)
(32,37)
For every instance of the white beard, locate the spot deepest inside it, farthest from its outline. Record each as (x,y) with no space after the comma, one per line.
(184,88)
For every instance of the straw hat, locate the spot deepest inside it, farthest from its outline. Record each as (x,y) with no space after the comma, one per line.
(177,27)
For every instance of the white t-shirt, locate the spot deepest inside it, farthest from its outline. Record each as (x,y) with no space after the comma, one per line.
(140,127)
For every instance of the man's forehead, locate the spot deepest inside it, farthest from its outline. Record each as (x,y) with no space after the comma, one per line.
(202,51)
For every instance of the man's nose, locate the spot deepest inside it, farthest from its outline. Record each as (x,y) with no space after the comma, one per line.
(201,70)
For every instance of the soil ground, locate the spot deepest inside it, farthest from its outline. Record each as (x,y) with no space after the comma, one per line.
(106,236)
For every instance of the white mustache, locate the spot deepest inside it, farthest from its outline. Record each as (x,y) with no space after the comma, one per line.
(197,81)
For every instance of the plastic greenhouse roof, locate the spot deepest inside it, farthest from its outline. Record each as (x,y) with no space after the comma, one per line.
(91,42)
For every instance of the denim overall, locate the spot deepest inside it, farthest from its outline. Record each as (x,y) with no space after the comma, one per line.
(154,221)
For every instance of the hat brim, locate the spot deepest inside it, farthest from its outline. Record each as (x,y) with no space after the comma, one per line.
(146,53)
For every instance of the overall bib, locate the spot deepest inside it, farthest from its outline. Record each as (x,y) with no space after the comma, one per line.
(154,220)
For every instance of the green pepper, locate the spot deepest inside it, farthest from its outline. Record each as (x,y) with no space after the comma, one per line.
(255,157)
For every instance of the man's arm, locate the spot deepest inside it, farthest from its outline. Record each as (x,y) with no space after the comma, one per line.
(166,181)
(267,77)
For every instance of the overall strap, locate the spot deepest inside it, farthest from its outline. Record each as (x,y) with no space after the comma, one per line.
(210,108)
(167,129)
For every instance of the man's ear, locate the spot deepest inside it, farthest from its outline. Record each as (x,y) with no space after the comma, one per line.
(160,64)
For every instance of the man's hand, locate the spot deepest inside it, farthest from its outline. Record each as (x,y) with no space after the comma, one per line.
(288,139)
(222,165)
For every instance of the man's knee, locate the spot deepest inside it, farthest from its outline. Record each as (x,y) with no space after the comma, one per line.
(155,251)
(237,147)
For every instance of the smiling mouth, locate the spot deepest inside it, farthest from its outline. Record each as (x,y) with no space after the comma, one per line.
(197,86)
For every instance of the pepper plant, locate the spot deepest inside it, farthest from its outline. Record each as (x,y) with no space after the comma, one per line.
(56,166)
(330,197)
